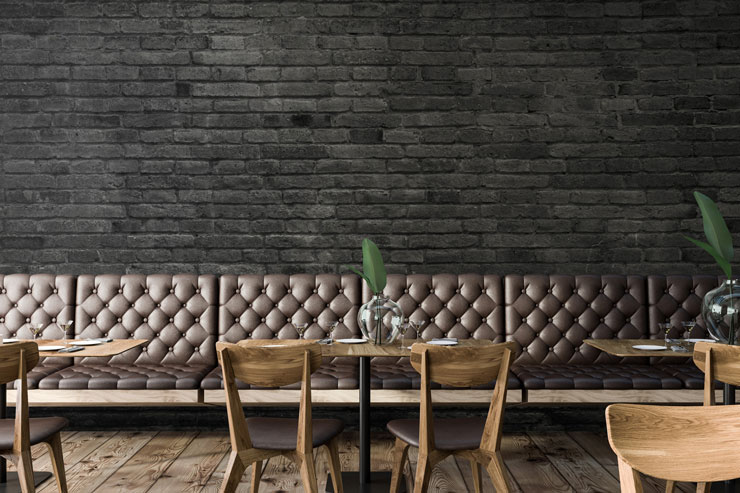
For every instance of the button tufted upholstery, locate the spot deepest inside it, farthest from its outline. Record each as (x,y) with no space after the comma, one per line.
(267,307)
(177,313)
(597,376)
(463,306)
(37,298)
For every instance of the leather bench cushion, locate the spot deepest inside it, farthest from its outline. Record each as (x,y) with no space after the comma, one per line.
(390,374)
(595,376)
(176,313)
(549,317)
(129,377)
(690,376)
(43,369)
(330,375)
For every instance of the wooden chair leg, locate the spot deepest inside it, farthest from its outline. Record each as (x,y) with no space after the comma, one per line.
(400,454)
(308,473)
(24,465)
(703,487)
(670,486)
(629,479)
(57,461)
(497,471)
(256,476)
(234,471)
(475,467)
(423,473)
(335,466)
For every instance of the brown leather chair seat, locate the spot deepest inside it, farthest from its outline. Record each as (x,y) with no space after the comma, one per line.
(449,434)
(332,375)
(282,433)
(595,376)
(129,377)
(387,373)
(690,376)
(40,430)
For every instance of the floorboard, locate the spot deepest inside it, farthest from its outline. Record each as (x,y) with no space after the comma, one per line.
(192,462)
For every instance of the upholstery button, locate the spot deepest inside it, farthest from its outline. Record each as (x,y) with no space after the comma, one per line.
(132,305)
(525,349)
(301,305)
(289,291)
(431,319)
(2,320)
(197,291)
(524,319)
(94,291)
(523,291)
(41,305)
(146,291)
(145,319)
(405,290)
(551,349)
(28,291)
(172,291)
(15,305)
(341,319)
(341,291)
(236,319)
(119,320)
(263,319)
(143,350)
(314,320)
(106,305)
(92,319)
(158,305)
(28,320)
(263,290)
(196,349)
(120,291)
(457,290)
(172,320)
(184,305)
(549,320)
(692,291)
(562,304)
(236,290)
(198,319)
(458,319)
(55,291)
(315,291)
(3,291)
(666,291)
(577,349)
(54,319)
(183,334)
(602,320)
(170,350)
(601,290)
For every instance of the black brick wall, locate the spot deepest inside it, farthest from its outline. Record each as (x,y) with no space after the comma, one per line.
(462,136)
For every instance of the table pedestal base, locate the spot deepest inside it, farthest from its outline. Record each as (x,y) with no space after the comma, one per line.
(380,482)
(13,486)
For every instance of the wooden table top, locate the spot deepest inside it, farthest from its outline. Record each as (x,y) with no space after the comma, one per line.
(623,348)
(117,346)
(395,349)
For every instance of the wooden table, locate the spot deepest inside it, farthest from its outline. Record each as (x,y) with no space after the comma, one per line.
(365,481)
(623,348)
(9,482)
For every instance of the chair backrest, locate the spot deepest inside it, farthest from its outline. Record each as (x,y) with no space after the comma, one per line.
(10,359)
(264,364)
(718,362)
(460,366)
(665,441)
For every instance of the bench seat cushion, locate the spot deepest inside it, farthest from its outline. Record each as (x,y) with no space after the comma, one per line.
(126,376)
(332,375)
(43,369)
(595,376)
(385,373)
(690,376)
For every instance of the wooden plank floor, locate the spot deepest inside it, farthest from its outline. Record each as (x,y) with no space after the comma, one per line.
(138,462)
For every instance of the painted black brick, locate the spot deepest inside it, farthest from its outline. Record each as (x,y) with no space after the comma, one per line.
(190,135)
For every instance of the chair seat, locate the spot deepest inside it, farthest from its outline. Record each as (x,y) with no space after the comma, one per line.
(129,377)
(595,376)
(399,374)
(690,376)
(449,434)
(329,376)
(282,433)
(40,429)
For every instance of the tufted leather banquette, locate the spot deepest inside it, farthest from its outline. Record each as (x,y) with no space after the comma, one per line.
(549,317)
(267,306)
(38,298)
(677,299)
(177,313)
(462,306)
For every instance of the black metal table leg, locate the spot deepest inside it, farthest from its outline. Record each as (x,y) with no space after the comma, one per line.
(365,481)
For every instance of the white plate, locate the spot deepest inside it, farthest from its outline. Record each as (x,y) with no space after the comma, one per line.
(700,340)
(8,341)
(649,347)
(50,348)
(86,343)
(351,341)
(443,343)
(274,345)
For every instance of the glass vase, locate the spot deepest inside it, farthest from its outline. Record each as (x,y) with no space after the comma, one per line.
(379,320)
(720,312)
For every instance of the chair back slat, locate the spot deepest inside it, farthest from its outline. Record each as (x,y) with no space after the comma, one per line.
(460,366)
(265,364)
(665,441)
(725,361)
(10,359)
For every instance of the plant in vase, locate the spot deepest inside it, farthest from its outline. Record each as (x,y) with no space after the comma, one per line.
(720,305)
(380,318)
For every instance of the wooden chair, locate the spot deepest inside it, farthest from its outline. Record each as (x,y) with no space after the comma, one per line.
(255,440)
(676,443)
(476,439)
(17,435)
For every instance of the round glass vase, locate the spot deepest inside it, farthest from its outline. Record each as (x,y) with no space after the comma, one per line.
(720,310)
(379,320)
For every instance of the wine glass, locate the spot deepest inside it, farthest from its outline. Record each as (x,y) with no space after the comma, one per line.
(402,329)
(417,325)
(301,328)
(36,330)
(688,327)
(330,328)
(64,327)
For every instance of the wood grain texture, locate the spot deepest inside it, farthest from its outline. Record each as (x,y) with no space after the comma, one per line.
(189,473)
(117,346)
(623,348)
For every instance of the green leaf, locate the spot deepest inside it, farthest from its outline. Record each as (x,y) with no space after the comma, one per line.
(715,228)
(373,266)
(724,264)
(370,284)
